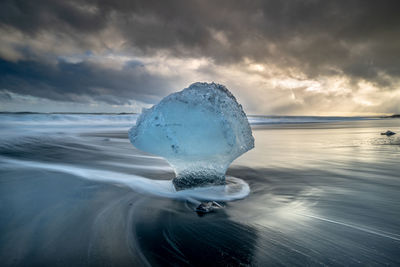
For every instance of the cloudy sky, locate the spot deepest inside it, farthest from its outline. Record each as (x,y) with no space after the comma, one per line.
(277,57)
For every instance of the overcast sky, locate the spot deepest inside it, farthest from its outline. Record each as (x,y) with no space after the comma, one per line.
(277,57)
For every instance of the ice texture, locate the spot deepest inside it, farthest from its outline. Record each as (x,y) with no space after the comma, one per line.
(199,131)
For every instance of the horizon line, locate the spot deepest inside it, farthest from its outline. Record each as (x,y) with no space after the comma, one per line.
(383,115)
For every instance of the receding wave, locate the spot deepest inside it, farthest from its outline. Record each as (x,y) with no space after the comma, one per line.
(16,125)
(257,120)
(234,189)
(129,119)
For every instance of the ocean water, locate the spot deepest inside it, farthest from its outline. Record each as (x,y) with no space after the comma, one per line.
(314,191)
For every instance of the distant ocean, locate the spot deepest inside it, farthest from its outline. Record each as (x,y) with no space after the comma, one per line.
(29,123)
(314,191)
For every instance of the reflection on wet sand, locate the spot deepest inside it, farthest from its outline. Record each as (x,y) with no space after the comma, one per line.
(321,194)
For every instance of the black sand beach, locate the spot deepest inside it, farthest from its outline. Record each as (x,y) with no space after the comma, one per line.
(321,194)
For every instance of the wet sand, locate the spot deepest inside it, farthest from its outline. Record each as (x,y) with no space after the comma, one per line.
(321,194)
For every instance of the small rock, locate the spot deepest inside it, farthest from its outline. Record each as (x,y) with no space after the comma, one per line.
(388,133)
(207,207)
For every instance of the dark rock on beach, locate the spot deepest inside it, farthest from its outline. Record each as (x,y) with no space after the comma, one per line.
(388,133)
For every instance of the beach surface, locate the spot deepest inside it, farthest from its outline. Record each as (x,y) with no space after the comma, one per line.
(75,192)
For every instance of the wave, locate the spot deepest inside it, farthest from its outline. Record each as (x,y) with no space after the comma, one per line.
(21,125)
(49,119)
(16,126)
(234,189)
(70,119)
(257,120)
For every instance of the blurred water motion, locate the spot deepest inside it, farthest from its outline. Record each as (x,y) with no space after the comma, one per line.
(324,191)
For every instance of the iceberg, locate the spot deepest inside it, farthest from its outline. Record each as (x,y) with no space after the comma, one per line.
(199,131)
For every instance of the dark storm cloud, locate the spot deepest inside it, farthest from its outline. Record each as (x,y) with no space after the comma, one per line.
(36,16)
(67,81)
(359,39)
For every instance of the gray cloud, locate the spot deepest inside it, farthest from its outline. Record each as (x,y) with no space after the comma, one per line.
(5,96)
(68,81)
(357,39)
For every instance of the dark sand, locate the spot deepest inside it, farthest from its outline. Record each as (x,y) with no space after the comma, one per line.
(321,194)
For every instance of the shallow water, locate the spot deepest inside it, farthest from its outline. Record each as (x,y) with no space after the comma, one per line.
(323,191)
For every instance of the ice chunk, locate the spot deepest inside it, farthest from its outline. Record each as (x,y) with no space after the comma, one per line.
(199,131)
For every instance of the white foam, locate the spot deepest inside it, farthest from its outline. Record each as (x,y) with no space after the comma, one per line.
(234,189)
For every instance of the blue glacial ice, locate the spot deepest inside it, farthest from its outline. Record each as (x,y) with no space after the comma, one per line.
(199,131)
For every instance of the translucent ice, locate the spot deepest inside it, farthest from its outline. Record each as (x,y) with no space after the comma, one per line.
(199,131)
